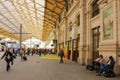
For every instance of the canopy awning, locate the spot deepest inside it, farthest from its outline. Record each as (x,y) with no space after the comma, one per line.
(52,10)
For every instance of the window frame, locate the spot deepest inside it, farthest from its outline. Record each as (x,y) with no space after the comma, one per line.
(78,20)
(95,8)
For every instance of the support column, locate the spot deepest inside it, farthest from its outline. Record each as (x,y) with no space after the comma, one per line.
(82,53)
(20,36)
(117,64)
(89,38)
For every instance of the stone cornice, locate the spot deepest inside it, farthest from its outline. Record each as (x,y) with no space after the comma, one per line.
(62,21)
(94,18)
(72,8)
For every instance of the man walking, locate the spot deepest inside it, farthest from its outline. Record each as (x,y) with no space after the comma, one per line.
(61,54)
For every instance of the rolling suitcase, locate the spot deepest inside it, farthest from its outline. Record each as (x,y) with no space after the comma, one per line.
(24,58)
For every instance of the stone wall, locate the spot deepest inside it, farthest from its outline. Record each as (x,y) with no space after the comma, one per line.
(108,45)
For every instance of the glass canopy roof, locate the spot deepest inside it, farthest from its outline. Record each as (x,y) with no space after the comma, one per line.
(36,16)
(29,13)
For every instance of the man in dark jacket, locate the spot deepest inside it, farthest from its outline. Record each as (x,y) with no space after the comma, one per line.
(8,58)
(61,54)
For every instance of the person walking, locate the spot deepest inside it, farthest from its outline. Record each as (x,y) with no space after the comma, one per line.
(22,53)
(61,54)
(8,58)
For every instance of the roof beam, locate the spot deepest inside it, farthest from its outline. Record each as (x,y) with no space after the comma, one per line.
(50,22)
(7,19)
(45,17)
(54,4)
(42,12)
(7,25)
(26,18)
(47,8)
(61,2)
(6,33)
(28,12)
(48,18)
(9,11)
(33,26)
(34,2)
(19,13)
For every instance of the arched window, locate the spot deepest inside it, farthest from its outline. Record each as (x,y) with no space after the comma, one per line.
(95,8)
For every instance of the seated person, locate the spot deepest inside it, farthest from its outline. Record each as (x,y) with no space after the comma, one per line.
(108,65)
(101,61)
(97,62)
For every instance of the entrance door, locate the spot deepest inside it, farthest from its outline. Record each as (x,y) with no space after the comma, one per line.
(74,50)
(96,35)
(69,49)
(77,47)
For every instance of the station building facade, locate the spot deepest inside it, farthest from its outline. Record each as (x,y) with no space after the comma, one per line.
(87,28)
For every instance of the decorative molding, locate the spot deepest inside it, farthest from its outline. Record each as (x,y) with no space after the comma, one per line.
(104,49)
(94,18)
(72,8)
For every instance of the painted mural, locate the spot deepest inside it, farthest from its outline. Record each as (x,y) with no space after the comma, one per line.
(108,24)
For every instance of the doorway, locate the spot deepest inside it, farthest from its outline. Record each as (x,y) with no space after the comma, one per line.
(96,39)
(75,51)
(69,49)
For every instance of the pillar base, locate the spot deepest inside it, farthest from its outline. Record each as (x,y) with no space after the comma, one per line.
(117,69)
(81,61)
(89,61)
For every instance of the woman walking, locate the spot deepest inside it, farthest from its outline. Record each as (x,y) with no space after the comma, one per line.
(8,56)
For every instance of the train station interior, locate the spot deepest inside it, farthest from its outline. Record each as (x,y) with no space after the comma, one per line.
(59,39)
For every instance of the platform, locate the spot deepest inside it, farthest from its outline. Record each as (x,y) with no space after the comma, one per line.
(39,68)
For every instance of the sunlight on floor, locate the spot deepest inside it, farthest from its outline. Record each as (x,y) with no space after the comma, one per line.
(50,56)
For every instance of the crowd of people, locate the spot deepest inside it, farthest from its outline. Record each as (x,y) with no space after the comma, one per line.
(11,53)
(30,51)
(40,51)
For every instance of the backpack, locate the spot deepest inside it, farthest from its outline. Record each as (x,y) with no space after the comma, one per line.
(109,74)
(24,58)
(89,67)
